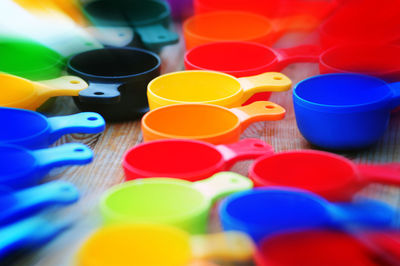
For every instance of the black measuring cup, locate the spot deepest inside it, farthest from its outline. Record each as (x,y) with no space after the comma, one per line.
(117,79)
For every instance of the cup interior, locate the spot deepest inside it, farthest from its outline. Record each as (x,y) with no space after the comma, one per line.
(195,86)
(155,201)
(173,157)
(306,170)
(14,89)
(231,57)
(14,162)
(191,121)
(113,63)
(20,124)
(342,90)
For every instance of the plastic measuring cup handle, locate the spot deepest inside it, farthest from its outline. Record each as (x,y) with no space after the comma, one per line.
(87,122)
(29,233)
(380,173)
(270,81)
(367,213)
(395,101)
(244,149)
(223,184)
(67,154)
(259,111)
(156,36)
(33,199)
(229,245)
(63,86)
(302,53)
(101,93)
(303,23)
(112,35)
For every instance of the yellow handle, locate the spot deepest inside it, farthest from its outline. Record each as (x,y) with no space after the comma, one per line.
(230,246)
(63,86)
(270,81)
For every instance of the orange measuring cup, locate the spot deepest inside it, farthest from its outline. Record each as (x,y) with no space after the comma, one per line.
(241,26)
(205,122)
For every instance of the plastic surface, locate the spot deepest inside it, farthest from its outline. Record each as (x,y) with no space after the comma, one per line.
(33,130)
(29,59)
(22,93)
(181,9)
(118,79)
(264,212)
(169,201)
(205,122)
(22,203)
(21,168)
(241,26)
(354,108)
(150,20)
(308,170)
(210,87)
(188,159)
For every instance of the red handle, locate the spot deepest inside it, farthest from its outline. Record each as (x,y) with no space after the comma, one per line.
(302,53)
(380,173)
(243,150)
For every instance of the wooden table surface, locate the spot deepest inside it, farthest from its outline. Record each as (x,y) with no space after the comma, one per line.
(106,170)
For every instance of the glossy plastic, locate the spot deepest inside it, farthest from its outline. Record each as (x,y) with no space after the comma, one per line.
(181,9)
(169,201)
(131,245)
(354,109)
(150,19)
(188,159)
(308,170)
(22,93)
(315,247)
(241,26)
(33,130)
(21,168)
(210,87)
(264,212)
(23,203)
(29,59)
(117,78)
(205,122)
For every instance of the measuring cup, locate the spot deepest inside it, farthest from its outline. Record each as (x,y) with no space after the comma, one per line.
(308,170)
(22,203)
(22,93)
(117,78)
(188,159)
(199,86)
(169,201)
(154,245)
(34,130)
(206,122)
(20,167)
(241,26)
(315,247)
(150,19)
(264,212)
(29,59)
(353,108)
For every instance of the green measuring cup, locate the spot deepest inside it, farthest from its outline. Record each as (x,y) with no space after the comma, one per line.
(169,201)
(29,59)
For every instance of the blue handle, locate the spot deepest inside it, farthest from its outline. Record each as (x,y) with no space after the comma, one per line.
(28,233)
(24,202)
(367,213)
(67,154)
(156,36)
(87,122)
(395,102)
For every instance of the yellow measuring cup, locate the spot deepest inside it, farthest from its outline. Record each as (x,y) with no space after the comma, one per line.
(22,93)
(160,245)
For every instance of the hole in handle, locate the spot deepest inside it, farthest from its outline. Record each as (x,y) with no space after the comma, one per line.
(277,78)
(92,118)
(79,150)
(258,145)
(74,82)
(99,93)
(234,180)
(269,107)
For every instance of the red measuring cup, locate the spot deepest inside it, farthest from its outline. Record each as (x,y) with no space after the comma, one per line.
(188,159)
(329,175)
(314,248)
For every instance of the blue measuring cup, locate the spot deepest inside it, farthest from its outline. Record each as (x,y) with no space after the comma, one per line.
(19,204)
(263,212)
(21,168)
(33,130)
(344,111)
